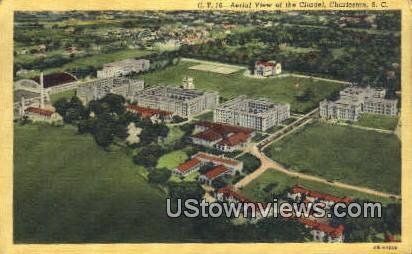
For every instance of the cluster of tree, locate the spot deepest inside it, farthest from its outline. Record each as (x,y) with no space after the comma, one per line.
(250,163)
(368,229)
(265,230)
(72,110)
(362,55)
(186,190)
(159,176)
(149,155)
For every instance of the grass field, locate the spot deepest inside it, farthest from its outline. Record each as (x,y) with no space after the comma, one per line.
(96,61)
(172,160)
(215,68)
(175,133)
(67,189)
(355,156)
(206,116)
(275,182)
(235,84)
(66,94)
(100,59)
(378,121)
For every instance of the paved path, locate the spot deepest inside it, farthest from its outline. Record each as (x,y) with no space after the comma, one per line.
(366,128)
(240,67)
(268,163)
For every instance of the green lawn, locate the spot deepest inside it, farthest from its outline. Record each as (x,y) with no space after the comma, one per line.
(175,133)
(172,160)
(208,116)
(66,94)
(275,182)
(67,189)
(378,121)
(235,84)
(96,60)
(360,157)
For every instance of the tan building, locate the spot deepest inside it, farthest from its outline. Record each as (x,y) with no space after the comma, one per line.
(259,114)
(179,101)
(123,67)
(354,101)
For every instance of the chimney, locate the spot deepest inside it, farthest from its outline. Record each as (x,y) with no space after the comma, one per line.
(41,91)
(22,108)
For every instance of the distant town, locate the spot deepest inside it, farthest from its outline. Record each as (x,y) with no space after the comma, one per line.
(221,106)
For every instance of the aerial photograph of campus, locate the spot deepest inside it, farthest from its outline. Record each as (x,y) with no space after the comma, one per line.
(116,112)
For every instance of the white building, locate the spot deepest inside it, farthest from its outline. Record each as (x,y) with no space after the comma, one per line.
(42,115)
(254,114)
(267,68)
(123,67)
(98,88)
(354,101)
(179,101)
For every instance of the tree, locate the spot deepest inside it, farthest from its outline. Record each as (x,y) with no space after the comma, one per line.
(159,176)
(148,156)
(186,190)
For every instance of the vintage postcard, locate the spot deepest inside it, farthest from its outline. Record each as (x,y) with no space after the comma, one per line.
(205,126)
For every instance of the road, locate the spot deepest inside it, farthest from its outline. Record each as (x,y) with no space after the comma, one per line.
(268,163)
(366,128)
(256,149)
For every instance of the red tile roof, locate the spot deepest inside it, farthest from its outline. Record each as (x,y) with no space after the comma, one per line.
(235,139)
(323,196)
(326,228)
(188,165)
(208,135)
(229,192)
(40,111)
(230,135)
(216,159)
(215,172)
(147,112)
(264,63)
(224,128)
(55,79)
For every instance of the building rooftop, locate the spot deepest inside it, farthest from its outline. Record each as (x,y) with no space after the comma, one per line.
(56,79)
(39,111)
(216,172)
(147,112)
(188,165)
(326,228)
(216,159)
(229,192)
(124,63)
(20,93)
(323,196)
(235,139)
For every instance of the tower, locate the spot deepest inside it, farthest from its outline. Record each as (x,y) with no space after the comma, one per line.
(23,105)
(41,91)
(188,83)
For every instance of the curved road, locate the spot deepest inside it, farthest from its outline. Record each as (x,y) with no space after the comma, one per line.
(267,163)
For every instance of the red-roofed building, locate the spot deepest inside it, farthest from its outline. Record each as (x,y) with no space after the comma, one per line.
(324,232)
(267,68)
(201,159)
(299,193)
(228,194)
(223,137)
(214,173)
(232,164)
(42,115)
(187,167)
(155,115)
